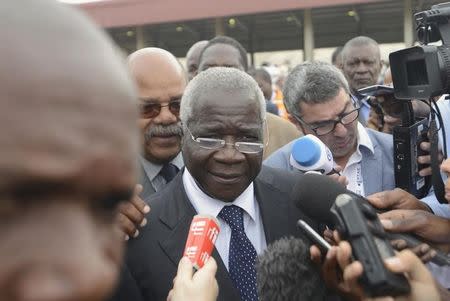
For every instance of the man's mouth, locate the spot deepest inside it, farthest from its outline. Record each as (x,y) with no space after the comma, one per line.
(166,139)
(363,80)
(342,143)
(226,178)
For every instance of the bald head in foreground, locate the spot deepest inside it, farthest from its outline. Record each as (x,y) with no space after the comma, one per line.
(69,146)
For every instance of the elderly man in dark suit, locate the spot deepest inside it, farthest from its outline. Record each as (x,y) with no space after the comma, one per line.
(223,120)
(160,80)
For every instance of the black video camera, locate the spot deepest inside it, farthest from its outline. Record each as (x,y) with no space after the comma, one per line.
(358,223)
(423,72)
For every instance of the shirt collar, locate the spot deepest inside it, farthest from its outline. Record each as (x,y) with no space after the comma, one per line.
(204,204)
(153,169)
(364,139)
(360,100)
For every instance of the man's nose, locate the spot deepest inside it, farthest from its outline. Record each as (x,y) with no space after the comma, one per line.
(62,282)
(361,68)
(229,154)
(67,256)
(340,130)
(165,116)
(41,283)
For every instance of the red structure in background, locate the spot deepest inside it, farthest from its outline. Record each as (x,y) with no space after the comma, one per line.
(117,13)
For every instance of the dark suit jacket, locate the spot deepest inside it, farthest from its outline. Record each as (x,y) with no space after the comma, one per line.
(153,257)
(147,186)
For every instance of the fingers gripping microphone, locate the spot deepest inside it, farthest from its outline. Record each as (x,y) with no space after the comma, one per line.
(202,235)
(310,154)
(316,194)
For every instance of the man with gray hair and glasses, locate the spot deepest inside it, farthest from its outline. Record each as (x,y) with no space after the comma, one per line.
(317,97)
(223,117)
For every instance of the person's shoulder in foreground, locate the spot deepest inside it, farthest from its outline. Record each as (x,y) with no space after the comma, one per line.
(280,158)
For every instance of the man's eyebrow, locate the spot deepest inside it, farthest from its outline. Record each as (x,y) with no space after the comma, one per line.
(340,114)
(149,99)
(176,97)
(218,127)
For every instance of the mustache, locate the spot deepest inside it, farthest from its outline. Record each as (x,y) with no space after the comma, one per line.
(164,130)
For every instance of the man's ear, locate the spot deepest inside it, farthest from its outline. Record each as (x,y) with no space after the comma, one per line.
(297,124)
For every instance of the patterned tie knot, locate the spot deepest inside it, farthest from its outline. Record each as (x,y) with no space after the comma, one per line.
(233,216)
(168,172)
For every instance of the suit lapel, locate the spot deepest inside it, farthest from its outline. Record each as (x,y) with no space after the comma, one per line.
(372,166)
(147,187)
(177,215)
(274,214)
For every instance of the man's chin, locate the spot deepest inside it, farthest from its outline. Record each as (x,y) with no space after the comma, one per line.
(161,157)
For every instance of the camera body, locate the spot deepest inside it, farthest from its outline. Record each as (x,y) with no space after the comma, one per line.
(358,223)
(407,141)
(423,72)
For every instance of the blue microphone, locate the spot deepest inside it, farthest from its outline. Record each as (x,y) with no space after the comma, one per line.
(309,154)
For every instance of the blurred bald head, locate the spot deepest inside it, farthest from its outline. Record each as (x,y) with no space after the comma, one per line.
(69,145)
(70,90)
(160,80)
(193,57)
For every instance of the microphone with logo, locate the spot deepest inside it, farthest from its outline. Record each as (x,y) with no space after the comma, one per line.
(310,155)
(202,236)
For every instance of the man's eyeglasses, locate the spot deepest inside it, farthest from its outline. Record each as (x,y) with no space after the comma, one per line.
(214,144)
(152,109)
(327,127)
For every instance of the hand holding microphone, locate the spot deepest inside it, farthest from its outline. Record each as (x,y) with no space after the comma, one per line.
(195,278)
(201,285)
(310,155)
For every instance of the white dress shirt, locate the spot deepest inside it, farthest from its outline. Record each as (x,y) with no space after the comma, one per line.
(352,170)
(205,204)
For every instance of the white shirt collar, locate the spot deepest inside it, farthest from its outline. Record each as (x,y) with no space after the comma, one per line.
(364,139)
(204,204)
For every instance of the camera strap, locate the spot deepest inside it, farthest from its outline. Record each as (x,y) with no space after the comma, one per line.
(436,179)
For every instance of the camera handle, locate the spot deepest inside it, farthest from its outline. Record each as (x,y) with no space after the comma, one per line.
(407,115)
(436,179)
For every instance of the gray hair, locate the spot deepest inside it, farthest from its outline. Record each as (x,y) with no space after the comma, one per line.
(312,83)
(219,78)
(360,41)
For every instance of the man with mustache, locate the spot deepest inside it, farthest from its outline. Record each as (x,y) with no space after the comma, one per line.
(160,80)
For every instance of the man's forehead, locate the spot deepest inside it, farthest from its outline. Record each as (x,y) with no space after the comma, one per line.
(222,51)
(362,51)
(312,113)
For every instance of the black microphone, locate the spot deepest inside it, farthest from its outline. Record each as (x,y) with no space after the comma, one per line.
(315,195)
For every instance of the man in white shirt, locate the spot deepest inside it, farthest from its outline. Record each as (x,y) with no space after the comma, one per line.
(317,97)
